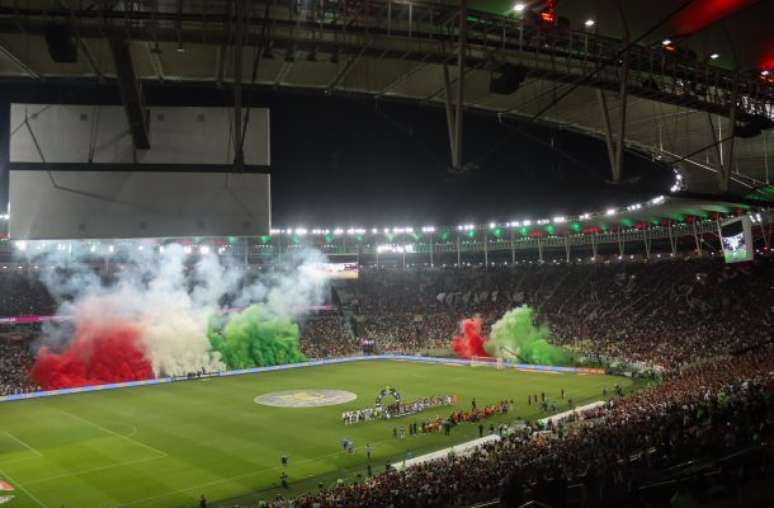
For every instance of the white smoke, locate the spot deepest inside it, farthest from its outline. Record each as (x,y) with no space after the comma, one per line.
(171,296)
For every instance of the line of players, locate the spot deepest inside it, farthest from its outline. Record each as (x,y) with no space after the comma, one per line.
(397,409)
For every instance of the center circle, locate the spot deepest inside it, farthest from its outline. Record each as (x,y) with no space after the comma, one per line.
(305,398)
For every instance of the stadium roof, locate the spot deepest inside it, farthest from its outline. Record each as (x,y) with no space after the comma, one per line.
(678,95)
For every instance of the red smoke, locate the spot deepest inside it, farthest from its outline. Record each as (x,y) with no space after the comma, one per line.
(100,353)
(470,344)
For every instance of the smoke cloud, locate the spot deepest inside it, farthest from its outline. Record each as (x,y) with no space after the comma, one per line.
(151,318)
(470,343)
(516,337)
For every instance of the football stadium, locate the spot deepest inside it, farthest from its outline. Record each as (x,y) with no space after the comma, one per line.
(386,253)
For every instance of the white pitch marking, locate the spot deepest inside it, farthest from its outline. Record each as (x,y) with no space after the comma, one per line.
(33,450)
(116,434)
(14,482)
(94,470)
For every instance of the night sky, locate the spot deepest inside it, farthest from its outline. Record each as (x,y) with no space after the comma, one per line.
(355,162)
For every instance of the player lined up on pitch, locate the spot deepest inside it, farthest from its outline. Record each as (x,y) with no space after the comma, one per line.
(397,409)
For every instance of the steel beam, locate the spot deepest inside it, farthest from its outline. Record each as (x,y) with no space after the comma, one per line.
(460,98)
(18,63)
(131,93)
(728,162)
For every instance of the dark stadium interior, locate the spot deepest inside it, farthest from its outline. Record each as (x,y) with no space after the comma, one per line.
(581,190)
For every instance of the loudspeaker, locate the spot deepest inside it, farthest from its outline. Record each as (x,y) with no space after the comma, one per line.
(507,78)
(61,44)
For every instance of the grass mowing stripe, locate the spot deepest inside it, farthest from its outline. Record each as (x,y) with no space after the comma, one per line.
(93,470)
(239,477)
(116,434)
(29,494)
(33,450)
(217,439)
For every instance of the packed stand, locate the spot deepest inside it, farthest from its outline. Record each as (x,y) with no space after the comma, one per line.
(701,413)
(665,313)
(326,337)
(16,359)
(22,294)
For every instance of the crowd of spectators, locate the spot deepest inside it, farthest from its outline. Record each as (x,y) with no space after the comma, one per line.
(22,294)
(612,452)
(15,362)
(326,337)
(666,313)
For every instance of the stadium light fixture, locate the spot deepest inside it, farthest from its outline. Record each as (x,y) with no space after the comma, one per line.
(610,211)
(204,250)
(374,231)
(585,216)
(187,249)
(301,231)
(428,229)
(519,7)
(275,231)
(21,245)
(93,248)
(714,56)
(657,200)
(111,249)
(338,231)
(589,23)
(559,220)
(526,223)
(666,42)
(492,225)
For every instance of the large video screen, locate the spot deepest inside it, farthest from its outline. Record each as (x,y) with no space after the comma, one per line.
(339,270)
(736,238)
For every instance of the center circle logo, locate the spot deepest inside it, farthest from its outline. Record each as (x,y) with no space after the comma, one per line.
(305,398)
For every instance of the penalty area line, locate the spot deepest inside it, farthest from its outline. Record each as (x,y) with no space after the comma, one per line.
(128,439)
(33,450)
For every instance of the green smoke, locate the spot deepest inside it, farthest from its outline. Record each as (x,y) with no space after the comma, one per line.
(253,338)
(516,337)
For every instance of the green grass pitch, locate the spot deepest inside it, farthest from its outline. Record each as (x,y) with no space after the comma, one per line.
(165,445)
